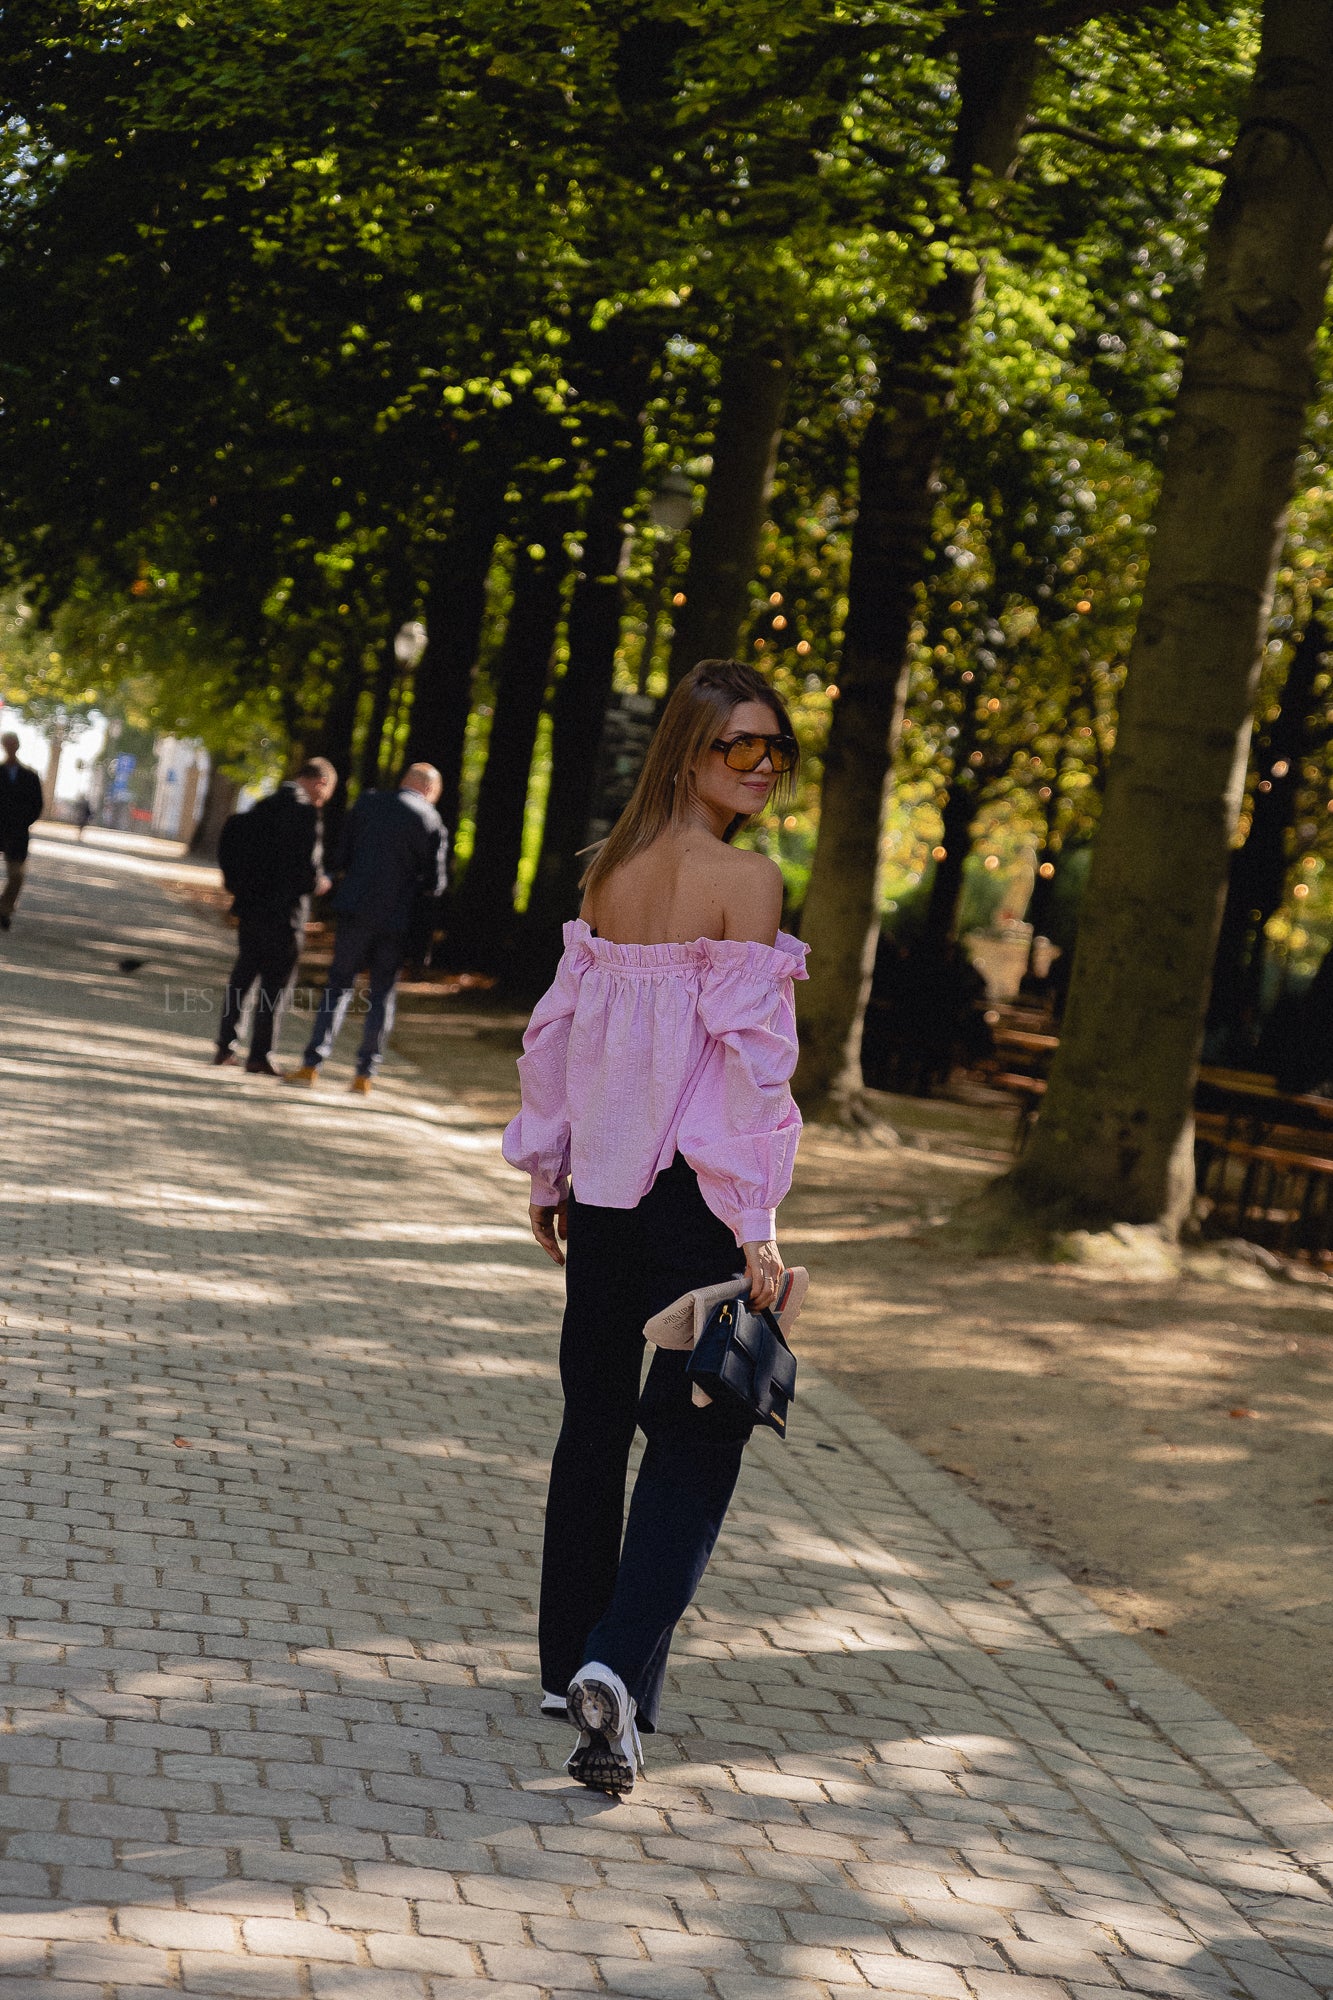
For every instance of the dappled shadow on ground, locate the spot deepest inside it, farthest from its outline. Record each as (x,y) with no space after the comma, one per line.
(1093,1414)
(1168,1445)
(279,1395)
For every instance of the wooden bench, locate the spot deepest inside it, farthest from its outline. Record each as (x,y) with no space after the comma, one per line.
(1253,1148)
(1284,1191)
(1029,1091)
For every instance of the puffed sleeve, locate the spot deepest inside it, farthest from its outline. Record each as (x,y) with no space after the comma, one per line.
(537,1140)
(740,1127)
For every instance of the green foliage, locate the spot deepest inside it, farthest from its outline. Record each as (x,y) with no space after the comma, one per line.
(280,280)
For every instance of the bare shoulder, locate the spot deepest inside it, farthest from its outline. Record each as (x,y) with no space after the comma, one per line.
(752,897)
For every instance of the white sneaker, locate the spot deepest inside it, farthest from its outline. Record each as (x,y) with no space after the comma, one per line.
(608,1752)
(555,1707)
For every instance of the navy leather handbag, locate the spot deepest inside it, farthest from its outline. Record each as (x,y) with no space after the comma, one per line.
(742,1359)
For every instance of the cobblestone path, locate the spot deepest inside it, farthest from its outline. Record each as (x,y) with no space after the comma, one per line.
(279,1387)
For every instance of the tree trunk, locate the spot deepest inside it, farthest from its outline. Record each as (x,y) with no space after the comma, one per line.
(1041,902)
(483,913)
(581,698)
(724,544)
(1114,1139)
(219,805)
(189,793)
(391,762)
(455,609)
(1257,878)
(897,468)
(381,694)
(399,597)
(58,738)
(946,888)
(333,738)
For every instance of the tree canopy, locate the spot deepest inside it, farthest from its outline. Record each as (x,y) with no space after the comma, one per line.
(318,322)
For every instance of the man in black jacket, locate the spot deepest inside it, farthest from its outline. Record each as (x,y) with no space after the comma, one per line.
(271,865)
(20,805)
(392,861)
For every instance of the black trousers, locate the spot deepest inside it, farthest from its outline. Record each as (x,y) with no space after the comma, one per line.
(601,1600)
(269,950)
(16,867)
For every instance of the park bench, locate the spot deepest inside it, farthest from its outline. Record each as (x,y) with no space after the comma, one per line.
(1028,1090)
(1264,1158)
(1018,1063)
(1281,1195)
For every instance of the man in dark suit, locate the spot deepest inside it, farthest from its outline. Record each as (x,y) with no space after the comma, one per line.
(392,862)
(272,868)
(20,805)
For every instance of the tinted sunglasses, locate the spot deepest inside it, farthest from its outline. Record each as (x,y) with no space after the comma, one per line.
(747,753)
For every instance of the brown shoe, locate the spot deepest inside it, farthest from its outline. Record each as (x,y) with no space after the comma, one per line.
(223,1056)
(264,1067)
(361,1086)
(306,1074)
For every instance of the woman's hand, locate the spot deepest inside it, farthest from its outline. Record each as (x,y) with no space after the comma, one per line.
(545,1223)
(764,1267)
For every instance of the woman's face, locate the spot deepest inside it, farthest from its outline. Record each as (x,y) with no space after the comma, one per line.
(724,792)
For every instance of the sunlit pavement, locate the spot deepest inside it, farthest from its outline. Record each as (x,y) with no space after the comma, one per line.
(278,1396)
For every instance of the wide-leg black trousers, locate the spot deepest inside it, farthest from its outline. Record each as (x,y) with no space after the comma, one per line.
(601,1598)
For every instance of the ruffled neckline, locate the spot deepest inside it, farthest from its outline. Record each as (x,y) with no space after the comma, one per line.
(784,959)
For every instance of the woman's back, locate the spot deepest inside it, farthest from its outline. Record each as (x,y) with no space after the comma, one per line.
(670,1027)
(688,885)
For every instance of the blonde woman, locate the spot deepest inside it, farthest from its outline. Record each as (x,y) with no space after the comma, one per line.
(660,1134)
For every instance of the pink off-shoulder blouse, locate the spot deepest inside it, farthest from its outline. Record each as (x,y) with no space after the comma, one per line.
(641,1051)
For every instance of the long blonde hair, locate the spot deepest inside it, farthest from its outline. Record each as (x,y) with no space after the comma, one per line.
(691,722)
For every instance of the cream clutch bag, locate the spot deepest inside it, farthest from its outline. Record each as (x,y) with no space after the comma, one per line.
(680,1324)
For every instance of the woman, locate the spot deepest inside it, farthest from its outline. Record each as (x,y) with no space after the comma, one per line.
(655,1076)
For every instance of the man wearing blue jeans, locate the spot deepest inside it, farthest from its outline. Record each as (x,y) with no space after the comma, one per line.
(392,862)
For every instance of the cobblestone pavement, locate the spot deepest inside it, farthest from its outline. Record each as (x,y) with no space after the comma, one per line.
(278,1394)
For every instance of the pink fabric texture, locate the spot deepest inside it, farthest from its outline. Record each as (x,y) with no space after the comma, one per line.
(640,1051)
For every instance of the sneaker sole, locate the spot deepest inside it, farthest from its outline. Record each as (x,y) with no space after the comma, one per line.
(602,1766)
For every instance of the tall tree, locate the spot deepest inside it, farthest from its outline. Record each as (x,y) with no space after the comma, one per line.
(752,397)
(224,789)
(484,911)
(455,611)
(400,588)
(1114,1142)
(581,698)
(337,727)
(897,470)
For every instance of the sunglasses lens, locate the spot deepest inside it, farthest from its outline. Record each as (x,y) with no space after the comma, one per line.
(747,753)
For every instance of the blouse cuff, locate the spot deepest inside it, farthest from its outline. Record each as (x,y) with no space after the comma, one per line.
(756,1225)
(546,1196)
